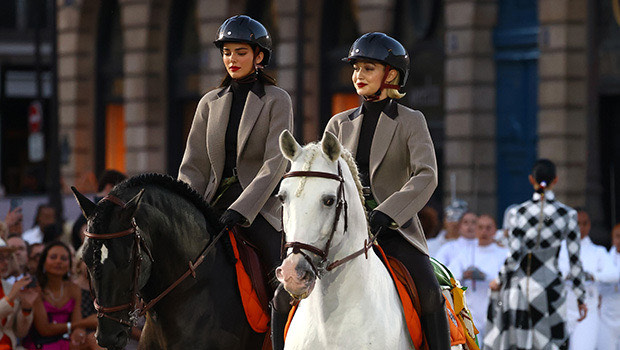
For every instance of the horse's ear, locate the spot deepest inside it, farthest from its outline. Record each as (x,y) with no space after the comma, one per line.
(86,205)
(134,203)
(331,146)
(288,146)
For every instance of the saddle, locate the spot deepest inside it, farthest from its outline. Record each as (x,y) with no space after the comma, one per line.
(461,326)
(252,282)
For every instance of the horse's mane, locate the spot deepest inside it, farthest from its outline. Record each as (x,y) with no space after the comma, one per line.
(313,149)
(171,184)
(162,181)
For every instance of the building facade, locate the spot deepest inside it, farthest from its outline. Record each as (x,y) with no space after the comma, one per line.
(501,82)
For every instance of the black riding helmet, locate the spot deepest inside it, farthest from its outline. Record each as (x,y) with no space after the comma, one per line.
(383,48)
(243,29)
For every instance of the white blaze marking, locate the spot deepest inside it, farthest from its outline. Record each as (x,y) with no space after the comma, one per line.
(104,253)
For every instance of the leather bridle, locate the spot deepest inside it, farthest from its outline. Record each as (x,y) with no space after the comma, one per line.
(136,305)
(324,264)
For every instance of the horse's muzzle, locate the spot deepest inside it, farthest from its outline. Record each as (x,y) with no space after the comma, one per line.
(297,276)
(112,337)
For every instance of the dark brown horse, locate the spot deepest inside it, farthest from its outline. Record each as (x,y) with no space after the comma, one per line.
(142,238)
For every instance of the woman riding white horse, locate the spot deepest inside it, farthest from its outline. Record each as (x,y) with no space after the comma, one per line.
(355,304)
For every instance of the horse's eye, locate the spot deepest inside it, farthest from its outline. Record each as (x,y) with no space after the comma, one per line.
(328,201)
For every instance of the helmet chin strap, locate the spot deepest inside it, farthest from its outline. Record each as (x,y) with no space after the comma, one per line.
(384,85)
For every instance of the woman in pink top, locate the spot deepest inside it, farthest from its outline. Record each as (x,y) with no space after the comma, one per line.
(57,318)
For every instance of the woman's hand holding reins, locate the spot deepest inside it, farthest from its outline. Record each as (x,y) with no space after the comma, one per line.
(231,218)
(377,220)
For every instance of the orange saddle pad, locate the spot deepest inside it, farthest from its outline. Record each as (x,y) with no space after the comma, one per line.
(252,286)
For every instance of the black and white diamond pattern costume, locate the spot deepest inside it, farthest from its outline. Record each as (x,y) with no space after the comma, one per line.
(529,311)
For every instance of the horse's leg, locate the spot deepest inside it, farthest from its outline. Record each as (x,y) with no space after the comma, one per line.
(433,318)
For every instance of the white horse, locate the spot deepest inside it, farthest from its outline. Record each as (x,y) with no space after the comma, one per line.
(355,304)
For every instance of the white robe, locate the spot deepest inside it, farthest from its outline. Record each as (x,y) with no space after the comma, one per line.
(609,326)
(435,243)
(462,245)
(596,262)
(488,259)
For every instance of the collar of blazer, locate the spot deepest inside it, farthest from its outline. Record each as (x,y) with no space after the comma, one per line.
(384,133)
(257,88)
(391,110)
(216,131)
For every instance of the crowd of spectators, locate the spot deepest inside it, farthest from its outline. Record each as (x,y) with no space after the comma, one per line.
(474,249)
(45,299)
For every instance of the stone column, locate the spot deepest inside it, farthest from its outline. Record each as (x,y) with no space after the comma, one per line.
(470,151)
(562,94)
(144,85)
(76,92)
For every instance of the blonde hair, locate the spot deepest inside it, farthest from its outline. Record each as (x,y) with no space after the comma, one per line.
(394,93)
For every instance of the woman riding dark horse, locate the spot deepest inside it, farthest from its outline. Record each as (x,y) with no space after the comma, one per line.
(232,155)
(142,238)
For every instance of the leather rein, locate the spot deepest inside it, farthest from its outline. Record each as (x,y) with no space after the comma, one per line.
(136,305)
(341,204)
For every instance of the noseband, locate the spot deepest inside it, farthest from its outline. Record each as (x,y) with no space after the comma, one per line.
(341,203)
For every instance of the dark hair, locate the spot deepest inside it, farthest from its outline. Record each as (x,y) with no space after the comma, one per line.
(543,170)
(41,276)
(31,247)
(39,208)
(261,76)
(76,237)
(109,177)
(51,233)
(13,235)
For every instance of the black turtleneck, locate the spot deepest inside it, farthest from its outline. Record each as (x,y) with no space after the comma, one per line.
(371,112)
(240,93)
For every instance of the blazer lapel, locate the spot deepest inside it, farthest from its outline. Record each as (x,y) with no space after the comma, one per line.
(251,111)
(216,131)
(350,133)
(381,142)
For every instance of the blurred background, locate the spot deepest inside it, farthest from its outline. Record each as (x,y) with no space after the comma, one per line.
(88,85)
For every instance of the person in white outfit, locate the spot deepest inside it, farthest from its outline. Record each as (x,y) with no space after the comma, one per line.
(609,325)
(466,242)
(451,216)
(46,216)
(598,268)
(478,268)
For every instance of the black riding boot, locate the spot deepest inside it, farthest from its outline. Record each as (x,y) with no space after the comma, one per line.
(437,331)
(280,308)
(433,316)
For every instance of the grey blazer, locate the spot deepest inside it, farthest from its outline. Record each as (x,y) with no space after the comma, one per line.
(260,165)
(403,167)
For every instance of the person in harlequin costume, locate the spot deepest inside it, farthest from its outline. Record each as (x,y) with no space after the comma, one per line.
(232,155)
(530,309)
(398,169)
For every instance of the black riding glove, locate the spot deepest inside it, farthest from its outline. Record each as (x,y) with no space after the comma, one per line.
(231,218)
(377,220)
